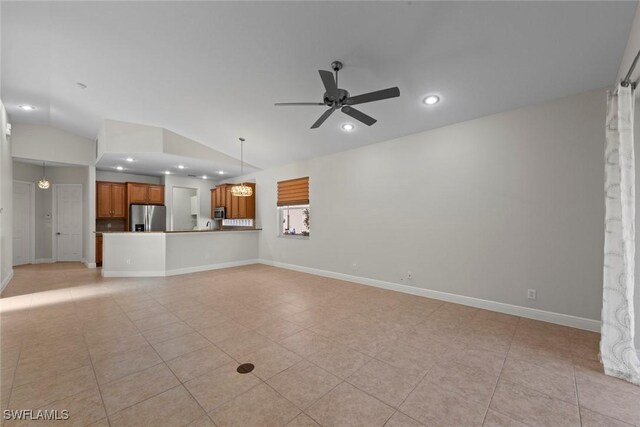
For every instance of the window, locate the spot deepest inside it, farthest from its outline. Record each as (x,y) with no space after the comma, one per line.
(294,220)
(293,207)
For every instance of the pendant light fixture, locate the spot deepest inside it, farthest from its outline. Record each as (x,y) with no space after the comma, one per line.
(241,190)
(43,183)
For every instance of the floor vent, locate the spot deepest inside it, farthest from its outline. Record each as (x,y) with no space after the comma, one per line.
(245,368)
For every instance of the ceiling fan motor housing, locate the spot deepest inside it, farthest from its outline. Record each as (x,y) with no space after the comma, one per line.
(342,96)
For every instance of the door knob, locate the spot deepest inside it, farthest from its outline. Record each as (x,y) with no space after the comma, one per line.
(58,234)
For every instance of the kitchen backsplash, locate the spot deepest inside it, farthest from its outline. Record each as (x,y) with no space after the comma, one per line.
(111,224)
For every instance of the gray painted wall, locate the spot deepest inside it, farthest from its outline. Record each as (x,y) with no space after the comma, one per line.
(486,208)
(126,177)
(6,200)
(181,208)
(44,202)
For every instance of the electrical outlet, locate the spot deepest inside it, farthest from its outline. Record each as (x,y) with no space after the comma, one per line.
(354,267)
(128,261)
(531,293)
(108,225)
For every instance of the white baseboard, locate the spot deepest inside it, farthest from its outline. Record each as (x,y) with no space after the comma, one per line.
(145,273)
(515,310)
(44,261)
(88,264)
(6,281)
(208,267)
(178,271)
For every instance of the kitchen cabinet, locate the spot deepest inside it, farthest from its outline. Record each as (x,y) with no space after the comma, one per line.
(110,200)
(99,250)
(145,194)
(236,207)
(155,194)
(137,193)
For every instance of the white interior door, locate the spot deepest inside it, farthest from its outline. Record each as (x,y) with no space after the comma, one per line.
(21,223)
(68,237)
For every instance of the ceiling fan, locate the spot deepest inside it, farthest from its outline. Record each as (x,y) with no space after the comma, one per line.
(336,98)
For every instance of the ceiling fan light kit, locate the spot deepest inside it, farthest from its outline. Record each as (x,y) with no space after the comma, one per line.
(336,98)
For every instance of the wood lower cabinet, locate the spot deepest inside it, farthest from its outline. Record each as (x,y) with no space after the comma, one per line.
(110,200)
(236,207)
(99,250)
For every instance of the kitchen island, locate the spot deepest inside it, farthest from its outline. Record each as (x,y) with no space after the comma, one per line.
(158,254)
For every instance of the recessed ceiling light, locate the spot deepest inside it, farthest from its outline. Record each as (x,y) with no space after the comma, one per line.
(204,176)
(26,107)
(180,166)
(129,159)
(348,127)
(167,172)
(220,172)
(119,168)
(431,100)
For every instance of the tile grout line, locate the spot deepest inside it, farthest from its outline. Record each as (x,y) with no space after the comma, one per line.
(194,291)
(504,362)
(207,414)
(163,362)
(95,376)
(575,385)
(341,382)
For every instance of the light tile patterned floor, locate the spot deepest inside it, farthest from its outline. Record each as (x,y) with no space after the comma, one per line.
(164,351)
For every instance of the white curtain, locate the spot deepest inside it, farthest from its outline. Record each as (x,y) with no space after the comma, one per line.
(617,351)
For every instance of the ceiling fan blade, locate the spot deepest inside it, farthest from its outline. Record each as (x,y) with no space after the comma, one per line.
(359,115)
(291,104)
(378,95)
(329,84)
(323,117)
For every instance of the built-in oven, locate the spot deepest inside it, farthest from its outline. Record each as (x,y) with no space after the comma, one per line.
(220,213)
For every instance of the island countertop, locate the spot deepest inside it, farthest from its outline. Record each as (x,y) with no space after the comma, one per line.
(179,231)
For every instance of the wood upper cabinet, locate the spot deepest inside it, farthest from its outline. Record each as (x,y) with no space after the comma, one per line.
(119,200)
(236,207)
(151,194)
(110,200)
(137,193)
(103,199)
(155,194)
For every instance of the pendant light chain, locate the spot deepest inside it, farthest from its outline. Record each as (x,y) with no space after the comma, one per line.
(241,190)
(242,157)
(43,183)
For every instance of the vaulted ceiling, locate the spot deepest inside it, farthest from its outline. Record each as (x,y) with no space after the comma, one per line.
(211,71)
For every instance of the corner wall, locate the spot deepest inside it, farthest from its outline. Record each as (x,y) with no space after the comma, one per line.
(6,202)
(39,142)
(84,175)
(484,209)
(203,186)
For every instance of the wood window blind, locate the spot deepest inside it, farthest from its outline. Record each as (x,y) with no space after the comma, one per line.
(293,192)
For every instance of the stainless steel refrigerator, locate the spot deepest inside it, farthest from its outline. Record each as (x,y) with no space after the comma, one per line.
(147,218)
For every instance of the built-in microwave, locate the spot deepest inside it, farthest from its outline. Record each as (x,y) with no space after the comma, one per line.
(220,213)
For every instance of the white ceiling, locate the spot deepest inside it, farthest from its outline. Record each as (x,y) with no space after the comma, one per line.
(47,164)
(155,164)
(211,71)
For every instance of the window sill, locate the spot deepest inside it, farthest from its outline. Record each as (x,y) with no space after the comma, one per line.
(293,236)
